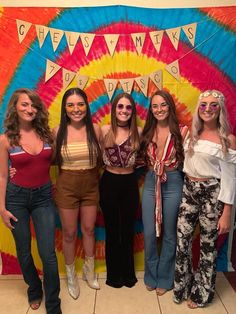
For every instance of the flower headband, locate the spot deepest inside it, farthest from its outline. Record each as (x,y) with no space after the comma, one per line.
(214,93)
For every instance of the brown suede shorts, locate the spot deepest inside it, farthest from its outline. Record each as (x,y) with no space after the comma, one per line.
(75,188)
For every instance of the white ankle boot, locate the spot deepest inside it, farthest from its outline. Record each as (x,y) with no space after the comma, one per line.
(72,281)
(88,273)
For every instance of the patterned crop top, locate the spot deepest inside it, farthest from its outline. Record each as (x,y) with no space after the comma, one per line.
(32,170)
(120,155)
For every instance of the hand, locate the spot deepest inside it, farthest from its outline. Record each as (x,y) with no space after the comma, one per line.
(223,224)
(12,172)
(7,217)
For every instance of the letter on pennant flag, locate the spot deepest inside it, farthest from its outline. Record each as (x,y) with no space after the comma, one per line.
(67,77)
(82,81)
(22,29)
(110,85)
(156,38)
(142,82)
(173,69)
(41,32)
(190,32)
(56,36)
(51,69)
(127,84)
(87,40)
(174,34)
(111,41)
(156,77)
(72,38)
(138,39)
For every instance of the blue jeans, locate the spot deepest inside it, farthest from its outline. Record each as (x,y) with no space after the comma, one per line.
(37,203)
(159,268)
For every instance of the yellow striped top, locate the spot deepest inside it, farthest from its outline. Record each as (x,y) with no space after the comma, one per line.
(76,156)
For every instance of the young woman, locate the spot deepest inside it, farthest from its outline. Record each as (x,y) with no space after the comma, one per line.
(77,155)
(119,194)
(208,195)
(162,148)
(27,145)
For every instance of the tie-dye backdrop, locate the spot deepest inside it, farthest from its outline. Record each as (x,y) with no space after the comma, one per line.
(210,64)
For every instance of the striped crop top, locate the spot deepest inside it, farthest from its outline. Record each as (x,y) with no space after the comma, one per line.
(32,171)
(76,156)
(120,155)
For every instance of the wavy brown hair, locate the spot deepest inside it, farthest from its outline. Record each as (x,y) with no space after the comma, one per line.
(151,124)
(40,123)
(111,135)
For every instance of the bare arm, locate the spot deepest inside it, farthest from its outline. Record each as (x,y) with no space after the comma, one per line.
(4,213)
(224,221)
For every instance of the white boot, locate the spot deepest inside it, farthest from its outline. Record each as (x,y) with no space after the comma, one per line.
(72,281)
(88,273)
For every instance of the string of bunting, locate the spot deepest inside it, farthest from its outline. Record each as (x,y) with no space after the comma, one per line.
(111,40)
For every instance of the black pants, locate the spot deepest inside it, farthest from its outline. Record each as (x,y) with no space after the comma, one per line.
(119,198)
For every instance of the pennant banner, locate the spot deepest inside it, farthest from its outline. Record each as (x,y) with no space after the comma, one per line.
(110,85)
(22,29)
(72,38)
(42,32)
(51,69)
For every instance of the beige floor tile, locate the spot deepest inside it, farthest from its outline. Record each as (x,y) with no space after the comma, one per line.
(168,306)
(226,293)
(136,300)
(13,297)
(84,304)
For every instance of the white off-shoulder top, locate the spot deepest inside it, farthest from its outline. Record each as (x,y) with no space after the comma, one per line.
(208,161)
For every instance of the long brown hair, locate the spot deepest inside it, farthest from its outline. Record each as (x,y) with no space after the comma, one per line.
(111,135)
(151,123)
(40,123)
(92,141)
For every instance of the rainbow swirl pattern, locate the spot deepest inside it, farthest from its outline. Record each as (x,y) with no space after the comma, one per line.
(209,65)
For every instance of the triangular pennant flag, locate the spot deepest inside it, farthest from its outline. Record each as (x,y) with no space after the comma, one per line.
(138,39)
(173,69)
(72,38)
(56,36)
(190,32)
(22,29)
(156,77)
(173,34)
(142,82)
(82,81)
(41,32)
(156,38)
(110,85)
(51,69)
(111,41)
(87,40)
(127,84)
(67,77)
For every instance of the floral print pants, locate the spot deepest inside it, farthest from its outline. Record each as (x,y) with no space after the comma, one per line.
(199,204)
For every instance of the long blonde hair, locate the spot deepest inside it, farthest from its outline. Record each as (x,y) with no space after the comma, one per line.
(222,122)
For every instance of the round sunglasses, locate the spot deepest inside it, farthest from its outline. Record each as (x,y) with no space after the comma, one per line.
(127,107)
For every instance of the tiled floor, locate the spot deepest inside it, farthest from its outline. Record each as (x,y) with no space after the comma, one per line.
(136,300)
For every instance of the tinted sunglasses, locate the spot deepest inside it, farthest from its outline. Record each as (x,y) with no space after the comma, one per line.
(127,107)
(212,106)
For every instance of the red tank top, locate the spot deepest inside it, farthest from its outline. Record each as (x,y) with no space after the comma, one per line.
(32,171)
